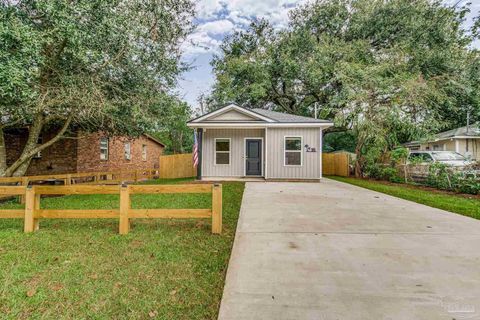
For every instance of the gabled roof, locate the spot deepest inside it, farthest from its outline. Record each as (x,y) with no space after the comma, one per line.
(254,117)
(227,108)
(470,132)
(154,139)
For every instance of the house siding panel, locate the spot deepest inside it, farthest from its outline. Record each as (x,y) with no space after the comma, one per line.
(310,168)
(232,116)
(237,160)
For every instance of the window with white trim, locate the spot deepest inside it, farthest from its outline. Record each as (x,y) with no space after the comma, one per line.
(128,154)
(293,151)
(103,148)
(222,151)
(144,152)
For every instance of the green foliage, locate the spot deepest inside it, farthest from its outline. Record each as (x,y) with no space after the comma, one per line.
(92,65)
(388,70)
(468,185)
(338,141)
(439,176)
(399,155)
(174,131)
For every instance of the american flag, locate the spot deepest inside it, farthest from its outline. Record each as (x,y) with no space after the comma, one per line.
(195,149)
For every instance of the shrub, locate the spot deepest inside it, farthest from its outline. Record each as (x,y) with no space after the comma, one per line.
(469,185)
(439,176)
(391,174)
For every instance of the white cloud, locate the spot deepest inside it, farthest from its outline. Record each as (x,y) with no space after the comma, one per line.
(207,9)
(207,37)
(218,18)
(216,27)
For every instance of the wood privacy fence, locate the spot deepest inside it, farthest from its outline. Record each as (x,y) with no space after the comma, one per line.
(33,213)
(177,166)
(336,164)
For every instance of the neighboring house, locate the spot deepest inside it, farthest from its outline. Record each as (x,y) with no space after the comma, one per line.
(464,140)
(239,142)
(86,152)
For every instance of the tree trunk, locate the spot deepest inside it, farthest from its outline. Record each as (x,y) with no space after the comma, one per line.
(358,164)
(3,154)
(20,166)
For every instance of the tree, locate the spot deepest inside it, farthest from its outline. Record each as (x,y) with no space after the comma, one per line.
(86,65)
(174,131)
(389,71)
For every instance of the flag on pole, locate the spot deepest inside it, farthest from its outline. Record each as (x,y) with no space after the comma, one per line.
(195,149)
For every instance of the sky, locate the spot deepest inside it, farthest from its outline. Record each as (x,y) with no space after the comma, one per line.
(216,19)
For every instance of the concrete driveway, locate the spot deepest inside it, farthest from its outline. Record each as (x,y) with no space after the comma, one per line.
(336,251)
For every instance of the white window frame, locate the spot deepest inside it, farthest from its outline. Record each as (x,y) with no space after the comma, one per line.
(285,151)
(229,152)
(108,149)
(144,152)
(127,155)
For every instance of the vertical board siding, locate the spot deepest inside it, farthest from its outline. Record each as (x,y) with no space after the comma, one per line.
(237,151)
(177,166)
(336,164)
(310,168)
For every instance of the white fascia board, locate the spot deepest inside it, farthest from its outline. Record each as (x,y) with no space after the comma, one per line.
(259,126)
(232,107)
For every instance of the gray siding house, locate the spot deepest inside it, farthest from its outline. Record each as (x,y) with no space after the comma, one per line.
(236,142)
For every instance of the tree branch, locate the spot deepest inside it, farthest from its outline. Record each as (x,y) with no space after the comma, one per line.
(28,155)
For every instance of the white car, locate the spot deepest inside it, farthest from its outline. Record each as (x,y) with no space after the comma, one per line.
(449,158)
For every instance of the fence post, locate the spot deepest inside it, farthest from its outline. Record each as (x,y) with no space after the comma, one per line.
(68,179)
(36,222)
(29,223)
(136,175)
(217,208)
(25,184)
(124,225)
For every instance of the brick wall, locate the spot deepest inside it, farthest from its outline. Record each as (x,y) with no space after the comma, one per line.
(58,158)
(88,153)
(83,153)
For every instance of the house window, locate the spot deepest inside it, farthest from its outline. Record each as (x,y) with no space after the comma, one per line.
(222,151)
(437,147)
(128,154)
(103,148)
(144,152)
(38,155)
(293,151)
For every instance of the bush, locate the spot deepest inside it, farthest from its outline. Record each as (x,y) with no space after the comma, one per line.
(469,185)
(439,176)
(391,174)
(373,171)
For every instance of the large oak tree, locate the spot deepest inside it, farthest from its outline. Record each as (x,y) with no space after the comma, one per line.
(89,65)
(389,71)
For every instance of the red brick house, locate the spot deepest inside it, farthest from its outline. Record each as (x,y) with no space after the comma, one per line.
(87,152)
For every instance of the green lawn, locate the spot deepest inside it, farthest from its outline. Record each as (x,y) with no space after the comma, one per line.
(467,206)
(82,269)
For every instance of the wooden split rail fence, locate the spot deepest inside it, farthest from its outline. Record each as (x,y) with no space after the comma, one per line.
(108,177)
(97,178)
(32,214)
